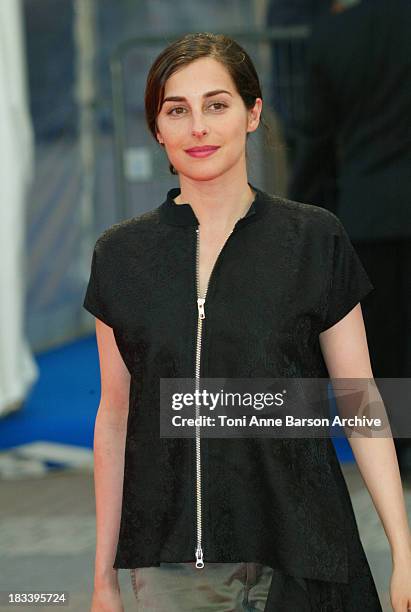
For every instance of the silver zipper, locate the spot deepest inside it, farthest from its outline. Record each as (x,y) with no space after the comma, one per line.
(201,316)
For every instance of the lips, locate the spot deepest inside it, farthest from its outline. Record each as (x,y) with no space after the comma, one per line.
(201,151)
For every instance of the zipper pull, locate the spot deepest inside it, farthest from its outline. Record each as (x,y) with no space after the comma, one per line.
(200,304)
(199,557)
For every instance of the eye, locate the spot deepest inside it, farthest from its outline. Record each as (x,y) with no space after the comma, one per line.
(175,108)
(181,108)
(219,104)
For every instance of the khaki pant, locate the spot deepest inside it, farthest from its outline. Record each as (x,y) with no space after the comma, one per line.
(218,587)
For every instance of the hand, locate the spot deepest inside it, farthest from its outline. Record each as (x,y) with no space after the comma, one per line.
(106,600)
(400,586)
(106,593)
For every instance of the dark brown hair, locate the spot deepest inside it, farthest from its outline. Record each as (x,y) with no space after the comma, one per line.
(185,50)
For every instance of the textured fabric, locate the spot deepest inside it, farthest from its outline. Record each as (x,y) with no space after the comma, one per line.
(287,272)
(351,153)
(288,593)
(389,338)
(245,587)
(220,587)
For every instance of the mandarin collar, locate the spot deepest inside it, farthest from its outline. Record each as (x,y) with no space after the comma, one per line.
(183,214)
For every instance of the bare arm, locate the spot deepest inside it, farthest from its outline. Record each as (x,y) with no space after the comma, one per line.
(345,350)
(109,443)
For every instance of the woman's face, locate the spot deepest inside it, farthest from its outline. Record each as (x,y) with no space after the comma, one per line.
(195,119)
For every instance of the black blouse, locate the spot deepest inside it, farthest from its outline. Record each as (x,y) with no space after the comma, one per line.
(286,273)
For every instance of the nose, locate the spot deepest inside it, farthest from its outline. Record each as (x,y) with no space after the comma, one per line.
(199,131)
(198,126)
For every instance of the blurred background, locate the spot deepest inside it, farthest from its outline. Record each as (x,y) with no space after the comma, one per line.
(76,157)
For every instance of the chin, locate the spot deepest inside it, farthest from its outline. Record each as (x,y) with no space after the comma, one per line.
(200,175)
(204,174)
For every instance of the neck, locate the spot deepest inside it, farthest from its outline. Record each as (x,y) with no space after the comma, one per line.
(217,203)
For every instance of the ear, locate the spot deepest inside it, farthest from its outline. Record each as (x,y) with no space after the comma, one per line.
(158,135)
(254,115)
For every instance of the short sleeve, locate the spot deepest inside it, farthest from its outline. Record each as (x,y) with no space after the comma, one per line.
(349,283)
(93,300)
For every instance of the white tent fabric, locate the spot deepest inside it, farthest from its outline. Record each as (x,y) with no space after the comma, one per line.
(18,370)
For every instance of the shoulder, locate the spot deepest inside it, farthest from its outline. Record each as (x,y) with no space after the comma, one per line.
(129,232)
(304,217)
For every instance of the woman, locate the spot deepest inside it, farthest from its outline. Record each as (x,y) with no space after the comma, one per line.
(225,280)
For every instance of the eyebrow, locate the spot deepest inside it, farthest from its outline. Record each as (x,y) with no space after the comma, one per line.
(208,94)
